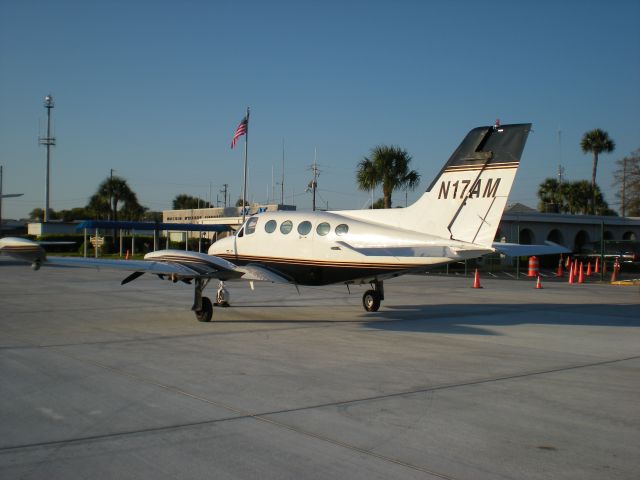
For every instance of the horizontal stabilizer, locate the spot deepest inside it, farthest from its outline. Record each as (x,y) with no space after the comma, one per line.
(517,250)
(418,250)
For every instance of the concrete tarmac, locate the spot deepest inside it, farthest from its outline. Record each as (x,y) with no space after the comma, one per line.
(100,380)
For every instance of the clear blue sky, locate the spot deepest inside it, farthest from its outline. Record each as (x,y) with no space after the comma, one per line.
(155,89)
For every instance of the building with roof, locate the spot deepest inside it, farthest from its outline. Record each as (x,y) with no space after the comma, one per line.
(522,224)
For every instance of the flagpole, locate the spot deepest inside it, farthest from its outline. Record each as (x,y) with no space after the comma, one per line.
(244,190)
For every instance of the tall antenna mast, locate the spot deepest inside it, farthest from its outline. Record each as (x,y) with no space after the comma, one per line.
(49,142)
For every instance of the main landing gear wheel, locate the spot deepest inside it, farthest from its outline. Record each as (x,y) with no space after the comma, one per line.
(371,301)
(202,306)
(205,314)
(372,298)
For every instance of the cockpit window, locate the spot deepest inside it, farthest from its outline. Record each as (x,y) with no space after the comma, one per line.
(323,228)
(342,229)
(270,226)
(304,227)
(286,226)
(251,225)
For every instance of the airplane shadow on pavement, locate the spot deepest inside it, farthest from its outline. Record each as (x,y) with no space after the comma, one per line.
(479,319)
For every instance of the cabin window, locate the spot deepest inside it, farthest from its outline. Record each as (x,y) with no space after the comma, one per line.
(323,228)
(342,229)
(251,225)
(270,226)
(286,226)
(304,227)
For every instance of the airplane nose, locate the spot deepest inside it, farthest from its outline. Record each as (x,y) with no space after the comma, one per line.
(221,246)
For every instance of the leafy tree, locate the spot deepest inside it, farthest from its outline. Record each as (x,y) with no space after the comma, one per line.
(77,213)
(627,180)
(37,214)
(387,166)
(187,202)
(239,202)
(150,216)
(596,141)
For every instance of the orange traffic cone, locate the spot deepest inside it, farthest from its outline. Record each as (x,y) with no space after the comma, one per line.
(539,283)
(589,269)
(581,274)
(559,272)
(126,257)
(476,280)
(597,268)
(572,274)
(567,263)
(616,269)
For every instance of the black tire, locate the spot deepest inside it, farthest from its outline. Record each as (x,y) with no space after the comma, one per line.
(206,313)
(371,301)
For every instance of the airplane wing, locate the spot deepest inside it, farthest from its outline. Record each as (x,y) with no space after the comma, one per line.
(177,264)
(517,250)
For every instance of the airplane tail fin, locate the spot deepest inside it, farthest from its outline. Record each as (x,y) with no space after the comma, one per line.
(466,200)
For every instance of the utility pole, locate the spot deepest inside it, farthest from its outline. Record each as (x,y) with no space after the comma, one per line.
(282,183)
(0,201)
(224,190)
(313,184)
(624,181)
(111,170)
(560,167)
(49,142)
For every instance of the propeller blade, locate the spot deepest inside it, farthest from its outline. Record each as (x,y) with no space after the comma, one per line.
(131,277)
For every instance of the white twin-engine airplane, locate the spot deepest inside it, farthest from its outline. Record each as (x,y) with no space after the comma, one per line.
(455,219)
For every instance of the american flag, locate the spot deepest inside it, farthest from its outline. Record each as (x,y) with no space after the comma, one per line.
(241,130)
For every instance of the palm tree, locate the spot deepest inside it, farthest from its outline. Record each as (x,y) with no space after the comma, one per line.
(578,195)
(111,194)
(387,166)
(596,141)
(550,195)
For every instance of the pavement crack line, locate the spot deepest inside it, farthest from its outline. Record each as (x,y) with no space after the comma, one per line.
(264,417)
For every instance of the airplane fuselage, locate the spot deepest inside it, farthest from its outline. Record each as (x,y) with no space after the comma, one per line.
(319,248)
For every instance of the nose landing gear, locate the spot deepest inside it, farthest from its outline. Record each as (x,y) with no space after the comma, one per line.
(222,296)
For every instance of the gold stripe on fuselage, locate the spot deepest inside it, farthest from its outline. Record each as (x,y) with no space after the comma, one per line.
(320,263)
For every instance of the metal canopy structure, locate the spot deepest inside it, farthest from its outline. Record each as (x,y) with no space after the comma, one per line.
(175,227)
(156,227)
